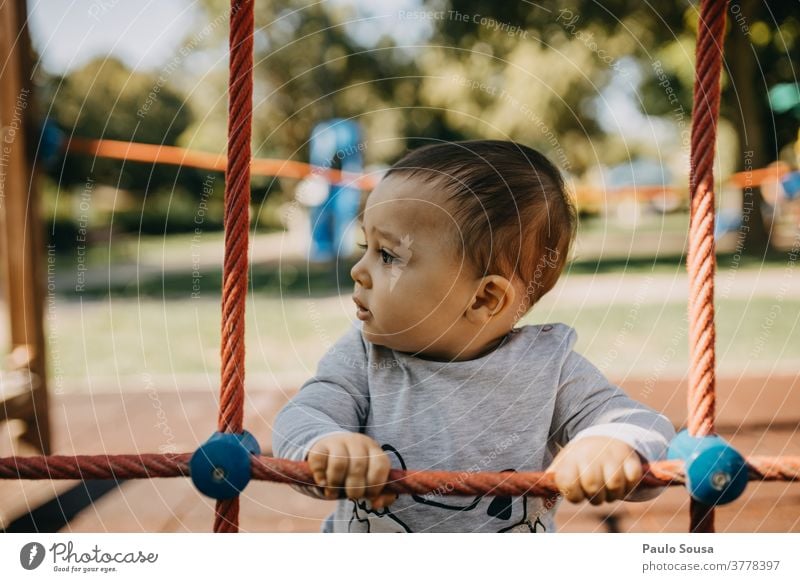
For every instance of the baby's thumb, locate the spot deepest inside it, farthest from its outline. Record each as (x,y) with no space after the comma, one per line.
(318,467)
(318,473)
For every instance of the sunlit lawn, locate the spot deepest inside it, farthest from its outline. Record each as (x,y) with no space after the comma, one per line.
(96,343)
(138,317)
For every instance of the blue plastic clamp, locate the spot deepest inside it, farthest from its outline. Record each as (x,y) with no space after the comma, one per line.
(220,467)
(716,473)
(791,185)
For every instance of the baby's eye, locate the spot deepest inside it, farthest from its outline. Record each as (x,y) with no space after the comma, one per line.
(386,257)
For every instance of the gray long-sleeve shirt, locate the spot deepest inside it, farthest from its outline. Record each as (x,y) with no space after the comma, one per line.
(509,410)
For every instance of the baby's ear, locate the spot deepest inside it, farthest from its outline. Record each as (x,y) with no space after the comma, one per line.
(493,297)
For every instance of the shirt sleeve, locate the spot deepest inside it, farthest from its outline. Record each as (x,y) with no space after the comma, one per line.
(588,404)
(335,400)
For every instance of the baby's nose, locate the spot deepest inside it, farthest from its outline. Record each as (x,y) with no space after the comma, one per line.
(360,275)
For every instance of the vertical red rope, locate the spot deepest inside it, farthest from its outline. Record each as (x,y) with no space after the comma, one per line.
(701,262)
(237,225)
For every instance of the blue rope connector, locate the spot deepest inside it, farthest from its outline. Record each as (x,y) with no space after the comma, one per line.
(220,467)
(716,473)
(791,185)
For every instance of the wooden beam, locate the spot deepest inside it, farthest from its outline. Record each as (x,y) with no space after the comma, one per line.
(19,213)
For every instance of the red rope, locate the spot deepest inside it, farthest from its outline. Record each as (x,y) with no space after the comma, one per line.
(701,267)
(150,466)
(163,154)
(236,225)
(701,260)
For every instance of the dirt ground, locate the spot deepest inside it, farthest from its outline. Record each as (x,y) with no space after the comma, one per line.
(758,415)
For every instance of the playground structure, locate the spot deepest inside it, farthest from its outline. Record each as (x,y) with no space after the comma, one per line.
(23,387)
(336,144)
(222,467)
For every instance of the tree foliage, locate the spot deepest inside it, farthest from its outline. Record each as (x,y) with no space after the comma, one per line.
(106,100)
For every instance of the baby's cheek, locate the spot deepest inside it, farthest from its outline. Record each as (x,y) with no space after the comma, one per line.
(411,318)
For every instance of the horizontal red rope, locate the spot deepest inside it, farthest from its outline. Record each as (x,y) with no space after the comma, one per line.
(175,156)
(661,473)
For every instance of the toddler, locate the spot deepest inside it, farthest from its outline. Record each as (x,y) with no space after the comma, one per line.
(461,240)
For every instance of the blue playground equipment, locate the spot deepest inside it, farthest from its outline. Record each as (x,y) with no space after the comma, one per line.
(716,473)
(220,468)
(335,145)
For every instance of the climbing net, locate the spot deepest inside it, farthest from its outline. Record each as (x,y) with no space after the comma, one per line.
(222,467)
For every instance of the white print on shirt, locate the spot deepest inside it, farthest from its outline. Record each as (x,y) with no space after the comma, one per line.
(499,508)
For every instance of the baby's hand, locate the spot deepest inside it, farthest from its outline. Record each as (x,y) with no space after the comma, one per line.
(596,468)
(352,461)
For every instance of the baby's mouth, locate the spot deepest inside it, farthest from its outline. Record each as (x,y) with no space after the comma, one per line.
(362,312)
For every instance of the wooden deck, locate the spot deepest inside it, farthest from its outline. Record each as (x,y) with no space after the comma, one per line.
(153,422)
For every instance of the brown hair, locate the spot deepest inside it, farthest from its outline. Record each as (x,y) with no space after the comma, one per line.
(510,191)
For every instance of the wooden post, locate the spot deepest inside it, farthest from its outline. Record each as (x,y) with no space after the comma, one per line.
(21,226)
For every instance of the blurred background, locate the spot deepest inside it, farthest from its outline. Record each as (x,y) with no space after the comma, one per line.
(130,256)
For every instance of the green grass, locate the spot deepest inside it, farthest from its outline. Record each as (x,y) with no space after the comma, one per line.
(137,314)
(94,342)
(653,339)
(162,267)
(127,338)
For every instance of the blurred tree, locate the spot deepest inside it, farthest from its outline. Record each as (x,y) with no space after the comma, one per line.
(762,43)
(309,68)
(561,54)
(516,70)
(106,100)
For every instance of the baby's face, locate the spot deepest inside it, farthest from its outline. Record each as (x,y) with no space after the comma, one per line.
(412,279)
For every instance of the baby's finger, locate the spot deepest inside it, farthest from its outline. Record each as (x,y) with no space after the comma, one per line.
(378,472)
(568,482)
(615,482)
(337,467)
(591,480)
(632,468)
(356,478)
(318,463)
